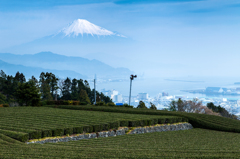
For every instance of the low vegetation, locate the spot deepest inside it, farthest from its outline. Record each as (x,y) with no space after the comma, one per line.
(195,143)
(197,120)
(23,123)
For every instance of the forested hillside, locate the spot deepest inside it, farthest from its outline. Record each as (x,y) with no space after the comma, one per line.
(16,90)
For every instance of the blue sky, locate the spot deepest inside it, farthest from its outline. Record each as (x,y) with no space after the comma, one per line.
(172,37)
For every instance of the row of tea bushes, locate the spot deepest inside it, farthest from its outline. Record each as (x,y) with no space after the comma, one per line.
(197,120)
(26,134)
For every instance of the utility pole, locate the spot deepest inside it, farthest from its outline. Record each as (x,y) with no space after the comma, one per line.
(95,90)
(131,78)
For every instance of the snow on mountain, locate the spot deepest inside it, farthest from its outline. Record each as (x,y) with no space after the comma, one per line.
(82,26)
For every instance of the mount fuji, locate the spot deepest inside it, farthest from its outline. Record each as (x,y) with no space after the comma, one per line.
(84,27)
(80,36)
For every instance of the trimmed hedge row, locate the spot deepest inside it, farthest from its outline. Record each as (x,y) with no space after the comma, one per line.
(9,139)
(24,134)
(33,134)
(23,137)
(197,120)
(62,102)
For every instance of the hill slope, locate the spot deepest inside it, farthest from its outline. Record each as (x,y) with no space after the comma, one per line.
(80,65)
(12,69)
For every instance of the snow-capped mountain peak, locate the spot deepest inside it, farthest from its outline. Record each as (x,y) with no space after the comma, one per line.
(82,26)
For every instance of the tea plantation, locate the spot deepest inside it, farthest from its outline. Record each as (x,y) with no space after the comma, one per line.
(28,122)
(23,123)
(195,143)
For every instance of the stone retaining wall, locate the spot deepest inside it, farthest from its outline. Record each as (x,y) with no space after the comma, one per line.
(173,127)
(122,131)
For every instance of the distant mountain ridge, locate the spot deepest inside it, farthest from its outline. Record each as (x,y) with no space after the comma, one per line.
(12,69)
(49,60)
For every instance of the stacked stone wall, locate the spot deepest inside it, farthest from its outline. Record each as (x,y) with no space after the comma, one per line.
(121,131)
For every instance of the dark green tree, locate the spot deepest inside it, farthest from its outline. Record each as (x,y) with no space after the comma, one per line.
(180,105)
(172,106)
(20,77)
(3,78)
(83,97)
(27,94)
(3,99)
(66,93)
(153,106)
(48,79)
(74,89)
(141,105)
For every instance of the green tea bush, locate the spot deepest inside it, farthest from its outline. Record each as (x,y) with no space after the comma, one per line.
(155,121)
(161,121)
(23,137)
(100,104)
(134,123)
(114,125)
(35,134)
(83,103)
(58,132)
(105,126)
(68,131)
(150,122)
(47,133)
(111,104)
(142,123)
(124,123)
(78,130)
(87,128)
(97,128)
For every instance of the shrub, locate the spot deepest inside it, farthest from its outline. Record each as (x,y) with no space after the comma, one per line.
(114,125)
(5,105)
(134,123)
(111,104)
(65,102)
(76,103)
(142,123)
(161,121)
(155,121)
(78,130)
(58,132)
(35,134)
(97,128)
(70,102)
(47,133)
(83,103)
(88,129)
(150,122)
(68,131)
(50,102)
(100,104)
(105,126)
(23,137)
(127,106)
(124,123)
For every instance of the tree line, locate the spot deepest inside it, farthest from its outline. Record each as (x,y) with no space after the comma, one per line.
(196,106)
(16,90)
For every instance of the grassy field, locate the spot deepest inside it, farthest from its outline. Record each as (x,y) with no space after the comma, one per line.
(195,143)
(25,123)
